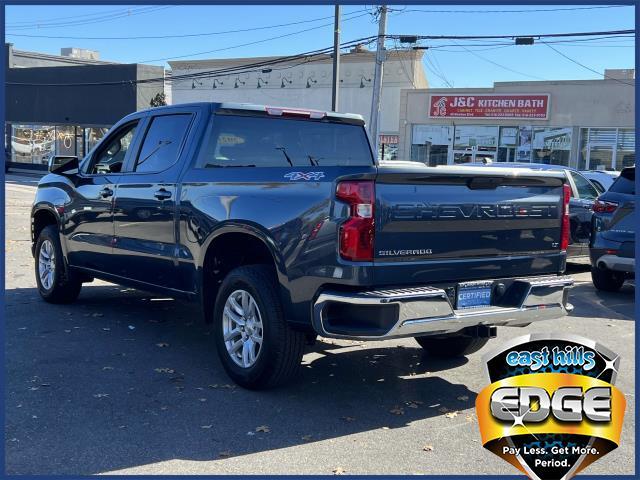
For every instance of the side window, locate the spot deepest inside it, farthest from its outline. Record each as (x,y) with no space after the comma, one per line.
(586,190)
(110,157)
(598,186)
(161,145)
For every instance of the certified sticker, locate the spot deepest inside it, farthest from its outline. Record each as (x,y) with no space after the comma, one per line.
(551,408)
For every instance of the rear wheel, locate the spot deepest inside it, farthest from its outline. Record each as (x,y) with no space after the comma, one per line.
(55,284)
(607,280)
(452,345)
(255,344)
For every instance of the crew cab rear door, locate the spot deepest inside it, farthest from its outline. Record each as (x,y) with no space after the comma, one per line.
(146,242)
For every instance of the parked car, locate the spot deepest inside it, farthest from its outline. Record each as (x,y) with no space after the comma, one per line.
(612,246)
(281,224)
(583,195)
(602,179)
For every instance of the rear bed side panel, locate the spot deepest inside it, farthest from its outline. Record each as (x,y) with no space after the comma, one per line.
(297,217)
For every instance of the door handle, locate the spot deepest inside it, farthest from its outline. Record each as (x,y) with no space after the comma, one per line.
(106,192)
(162,194)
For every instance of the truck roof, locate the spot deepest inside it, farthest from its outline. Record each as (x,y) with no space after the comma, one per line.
(271,109)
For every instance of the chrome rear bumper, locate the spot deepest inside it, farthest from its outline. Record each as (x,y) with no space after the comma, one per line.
(421,311)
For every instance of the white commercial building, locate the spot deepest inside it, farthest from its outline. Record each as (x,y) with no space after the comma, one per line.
(585,124)
(308,85)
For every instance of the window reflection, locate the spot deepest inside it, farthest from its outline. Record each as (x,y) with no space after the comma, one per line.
(32,143)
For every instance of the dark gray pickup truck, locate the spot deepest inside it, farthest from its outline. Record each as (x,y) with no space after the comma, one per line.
(281,224)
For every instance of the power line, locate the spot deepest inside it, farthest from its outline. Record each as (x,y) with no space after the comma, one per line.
(186,35)
(255,42)
(102,19)
(406,72)
(436,71)
(588,68)
(392,37)
(537,35)
(517,11)
(236,70)
(434,62)
(502,66)
(512,44)
(67,17)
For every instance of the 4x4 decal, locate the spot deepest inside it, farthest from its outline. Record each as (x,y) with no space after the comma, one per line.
(293,176)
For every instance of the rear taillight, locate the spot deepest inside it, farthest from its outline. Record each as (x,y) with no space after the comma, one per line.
(357,233)
(564,235)
(600,206)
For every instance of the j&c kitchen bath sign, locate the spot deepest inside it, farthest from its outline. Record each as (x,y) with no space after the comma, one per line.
(489,106)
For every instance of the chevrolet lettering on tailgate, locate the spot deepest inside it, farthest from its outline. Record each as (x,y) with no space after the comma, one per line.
(425,211)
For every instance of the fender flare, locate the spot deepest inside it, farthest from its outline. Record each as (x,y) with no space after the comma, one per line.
(44,206)
(248,228)
(261,234)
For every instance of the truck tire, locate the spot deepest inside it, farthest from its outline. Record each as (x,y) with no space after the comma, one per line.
(256,346)
(452,345)
(606,280)
(54,283)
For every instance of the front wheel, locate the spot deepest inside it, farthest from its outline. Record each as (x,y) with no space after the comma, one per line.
(55,285)
(256,346)
(452,345)
(607,280)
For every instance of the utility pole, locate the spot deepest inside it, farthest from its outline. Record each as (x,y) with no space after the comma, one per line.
(336,60)
(374,123)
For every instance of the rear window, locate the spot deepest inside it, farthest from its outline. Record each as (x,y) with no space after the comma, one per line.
(625,183)
(245,141)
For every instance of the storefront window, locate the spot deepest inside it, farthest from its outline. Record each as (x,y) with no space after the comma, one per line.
(37,143)
(93,136)
(430,144)
(552,145)
(32,143)
(475,143)
(606,148)
(626,151)
(65,140)
(523,152)
(508,144)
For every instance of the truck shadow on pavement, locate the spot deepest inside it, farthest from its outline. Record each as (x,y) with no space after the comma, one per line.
(121,379)
(590,303)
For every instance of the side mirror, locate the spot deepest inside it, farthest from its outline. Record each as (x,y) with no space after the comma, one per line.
(64,165)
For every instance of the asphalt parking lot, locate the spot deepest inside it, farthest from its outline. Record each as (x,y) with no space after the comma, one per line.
(123,382)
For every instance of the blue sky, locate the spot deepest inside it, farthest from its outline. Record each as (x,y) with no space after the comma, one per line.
(451,65)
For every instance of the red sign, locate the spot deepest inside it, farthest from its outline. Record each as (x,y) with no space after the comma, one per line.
(489,106)
(387,139)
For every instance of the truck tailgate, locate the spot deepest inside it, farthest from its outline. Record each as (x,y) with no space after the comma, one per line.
(463,223)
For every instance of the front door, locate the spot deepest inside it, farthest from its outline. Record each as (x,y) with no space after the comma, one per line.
(88,219)
(146,244)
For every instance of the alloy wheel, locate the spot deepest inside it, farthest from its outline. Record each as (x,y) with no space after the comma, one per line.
(242,328)
(47,264)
